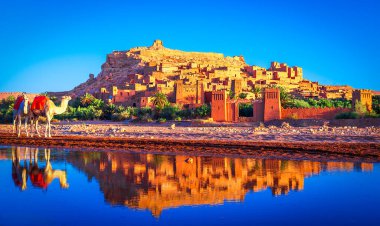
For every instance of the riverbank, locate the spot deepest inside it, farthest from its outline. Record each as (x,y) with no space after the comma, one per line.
(287,141)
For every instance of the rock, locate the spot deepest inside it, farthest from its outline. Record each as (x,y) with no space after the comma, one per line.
(285,125)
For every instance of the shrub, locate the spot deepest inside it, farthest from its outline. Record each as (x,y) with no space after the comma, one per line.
(169,112)
(6,109)
(323,103)
(347,115)
(299,103)
(245,110)
(360,108)
(372,114)
(203,111)
(124,115)
(186,113)
(108,110)
(178,118)
(376,104)
(243,95)
(161,120)
(312,102)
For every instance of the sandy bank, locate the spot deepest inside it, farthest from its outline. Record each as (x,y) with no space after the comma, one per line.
(353,151)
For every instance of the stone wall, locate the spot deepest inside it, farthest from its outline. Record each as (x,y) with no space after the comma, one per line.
(311,113)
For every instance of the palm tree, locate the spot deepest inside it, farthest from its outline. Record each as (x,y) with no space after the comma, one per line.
(160,100)
(87,99)
(256,91)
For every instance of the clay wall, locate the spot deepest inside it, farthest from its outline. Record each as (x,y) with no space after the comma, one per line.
(5,95)
(123,96)
(311,113)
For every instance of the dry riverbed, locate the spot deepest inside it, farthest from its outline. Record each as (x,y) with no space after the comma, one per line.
(345,143)
(172,130)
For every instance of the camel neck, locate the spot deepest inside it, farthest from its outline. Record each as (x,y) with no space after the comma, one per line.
(62,108)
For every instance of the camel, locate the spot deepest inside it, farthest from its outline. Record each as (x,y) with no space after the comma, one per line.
(42,177)
(48,109)
(22,110)
(19,172)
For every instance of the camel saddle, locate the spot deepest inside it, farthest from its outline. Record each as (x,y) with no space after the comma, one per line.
(38,104)
(38,180)
(18,102)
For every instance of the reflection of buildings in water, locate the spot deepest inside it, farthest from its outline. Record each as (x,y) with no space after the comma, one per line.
(40,177)
(157,182)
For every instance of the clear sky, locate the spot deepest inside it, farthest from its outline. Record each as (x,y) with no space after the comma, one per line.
(54,45)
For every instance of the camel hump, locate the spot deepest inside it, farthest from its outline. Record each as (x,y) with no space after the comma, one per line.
(19,100)
(39,103)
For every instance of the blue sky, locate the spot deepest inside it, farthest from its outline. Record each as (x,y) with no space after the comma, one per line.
(54,45)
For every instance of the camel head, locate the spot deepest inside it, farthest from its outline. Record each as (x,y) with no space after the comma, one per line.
(68,98)
(26,103)
(63,181)
(64,102)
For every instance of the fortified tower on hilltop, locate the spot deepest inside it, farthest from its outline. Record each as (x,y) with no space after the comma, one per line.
(157,44)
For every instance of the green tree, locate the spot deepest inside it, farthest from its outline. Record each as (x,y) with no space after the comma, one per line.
(325,103)
(169,112)
(86,100)
(160,100)
(245,110)
(299,103)
(108,110)
(231,94)
(243,95)
(285,96)
(203,111)
(256,91)
(376,104)
(312,102)
(360,108)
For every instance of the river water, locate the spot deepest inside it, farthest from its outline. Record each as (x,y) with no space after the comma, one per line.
(40,186)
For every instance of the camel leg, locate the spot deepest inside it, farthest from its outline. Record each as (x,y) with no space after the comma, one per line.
(36,155)
(32,121)
(36,127)
(49,122)
(26,126)
(47,155)
(31,126)
(47,129)
(18,126)
(13,155)
(14,124)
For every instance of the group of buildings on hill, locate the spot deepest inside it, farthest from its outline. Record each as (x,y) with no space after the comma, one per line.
(191,79)
(193,82)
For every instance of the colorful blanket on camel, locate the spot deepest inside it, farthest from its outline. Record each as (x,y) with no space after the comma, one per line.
(38,180)
(18,102)
(39,103)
